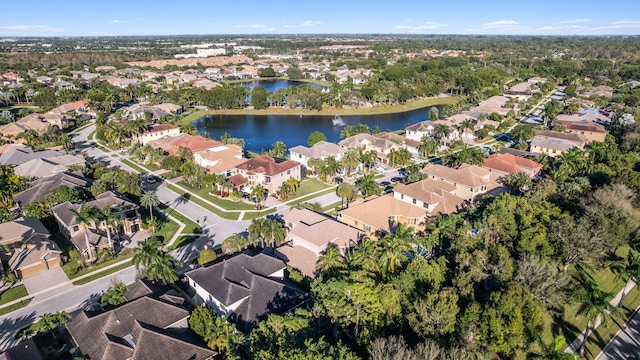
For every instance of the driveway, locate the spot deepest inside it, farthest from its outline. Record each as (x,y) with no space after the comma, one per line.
(52,280)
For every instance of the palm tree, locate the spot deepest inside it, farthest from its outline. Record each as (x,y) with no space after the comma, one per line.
(315,164)
(86,216)
(556,350)
(235,243)
(368,158)
(153,262)
(258,229)
(433,113)
(294,184)
(594,305)
(575,160)
(395,246)
(276,232)
(109,219)
(346,192)
(399,157)
(428,146)
(441,131)
(350,160)
(332,166)
(257,193)
(627,269)
(150,199)
(367,185)
(331,262)
(466,124)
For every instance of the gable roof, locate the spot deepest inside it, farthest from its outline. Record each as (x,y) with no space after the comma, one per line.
(22,228)
(35,252)
(575,138)
(319,229)
(267,165)
(40,188)
(546,142)
(39,168)
(378,212)
(581,125)
(360,139)
(137,330)
(320,150)
(423,126)
(246,277)
(21,156)
(469,175)
(63,211)
(433,192)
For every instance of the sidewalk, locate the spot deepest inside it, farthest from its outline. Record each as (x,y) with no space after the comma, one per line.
(575,345)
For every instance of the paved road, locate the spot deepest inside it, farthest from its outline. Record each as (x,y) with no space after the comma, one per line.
(216,229)
(70,299)
(625,345)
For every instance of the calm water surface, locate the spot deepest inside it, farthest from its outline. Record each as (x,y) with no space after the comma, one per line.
(261,131)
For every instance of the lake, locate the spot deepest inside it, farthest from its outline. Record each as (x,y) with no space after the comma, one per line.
(261,131)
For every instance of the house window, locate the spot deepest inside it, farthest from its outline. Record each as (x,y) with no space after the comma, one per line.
(425,205)
(415,201)
(288,172)
(401,196)
(76,228)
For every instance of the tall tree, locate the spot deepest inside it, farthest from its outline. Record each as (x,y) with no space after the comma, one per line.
(110,220)
(150,199)
(86,216)
(315,137)
(350,160)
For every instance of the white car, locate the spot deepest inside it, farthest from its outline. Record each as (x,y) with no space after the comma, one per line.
(380,169)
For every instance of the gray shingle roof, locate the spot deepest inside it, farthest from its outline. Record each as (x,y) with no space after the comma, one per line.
(21,156)
(320,150)
(247,277)
(41,187)
(146,323)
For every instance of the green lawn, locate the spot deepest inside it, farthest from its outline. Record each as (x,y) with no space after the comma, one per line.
(13,293)
(182,241)
(190,226)
(167,229)
(101,274)
(570,324)
(224,203)
(72,274)
(308,186)
(223,214)
(14,307)
(257,214)
(133,165)
(193,117)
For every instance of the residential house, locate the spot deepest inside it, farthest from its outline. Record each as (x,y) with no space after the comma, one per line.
(10,147)
(592,131)
(493,104)
(152,326)
(411,205)
(597,91)
(79,107)
(320,150)
(245,288)
(500,165)
(170,144)
(45,167)
(368,142)
(21,156)
(417,131)
(411,145)
(154,132)
(309,234)
(170,108)
(26,349)
(220,159)
(470,181)
(140,111)
(121,206)
(584,104)
(65,85)
(555,142)
(38,189)
(30,251)
(267,172)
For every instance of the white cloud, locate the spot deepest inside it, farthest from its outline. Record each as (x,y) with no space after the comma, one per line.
(500,24)
(307,23)
(253,26)
(31,29)
(620,25)
(116,21)
(429,25)
(575,21)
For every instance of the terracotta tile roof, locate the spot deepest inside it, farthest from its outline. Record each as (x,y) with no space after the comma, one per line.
(299,257)
(509,163)
(238,179)
(469,175)
(160,127)
(546,142)
(320,230)
(378,212)
(226,157)
(265,164)
(581,125)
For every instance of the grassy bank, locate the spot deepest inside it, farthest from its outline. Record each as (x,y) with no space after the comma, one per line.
(385,109)
(14,307)
(101,274)
(13,293)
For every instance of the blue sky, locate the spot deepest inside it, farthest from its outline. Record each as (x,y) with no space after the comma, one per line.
(163,17)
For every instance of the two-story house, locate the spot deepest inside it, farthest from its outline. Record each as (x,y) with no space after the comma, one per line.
(130,220)
(154,132)
(554,143)
(500,165)
(309,234)
(367,142)
(590,130)
(220,159)
(29,250)
(245,289)
(470,181)
(266,171)
(320,150)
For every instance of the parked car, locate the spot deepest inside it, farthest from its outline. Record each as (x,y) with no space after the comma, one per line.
(396,179)
(385,183)
(380,169)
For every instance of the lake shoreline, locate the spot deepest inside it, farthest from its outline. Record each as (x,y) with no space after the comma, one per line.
(378,110)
